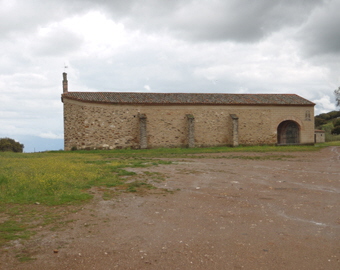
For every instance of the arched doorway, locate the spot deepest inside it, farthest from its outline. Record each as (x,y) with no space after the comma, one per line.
(288,132)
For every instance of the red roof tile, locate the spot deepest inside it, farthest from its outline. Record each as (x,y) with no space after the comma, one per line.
(187,98)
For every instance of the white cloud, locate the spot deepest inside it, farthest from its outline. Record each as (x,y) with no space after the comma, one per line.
(56,40)
(324,105)
(101,36)
(50,135)
(232,46)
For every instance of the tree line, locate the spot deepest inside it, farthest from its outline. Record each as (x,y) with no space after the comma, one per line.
(8,144)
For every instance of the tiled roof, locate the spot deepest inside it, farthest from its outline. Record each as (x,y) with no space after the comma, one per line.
(187,98)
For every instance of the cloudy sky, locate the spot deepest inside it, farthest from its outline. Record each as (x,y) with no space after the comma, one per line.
(214,46)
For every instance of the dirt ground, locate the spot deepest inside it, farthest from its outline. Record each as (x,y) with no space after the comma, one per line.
(227,211)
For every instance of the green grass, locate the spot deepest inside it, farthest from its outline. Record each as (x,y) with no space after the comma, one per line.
(58,178)
(332,138)
(330,143)
(25,258)
(38,189)
(133,186)
(11,230)
(183,152)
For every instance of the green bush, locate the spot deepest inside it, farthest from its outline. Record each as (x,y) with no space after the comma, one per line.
(7,144)
(329,115)
(324,116)
(334,114)
(328,127)
(336,130)
(336,122)
(319,121)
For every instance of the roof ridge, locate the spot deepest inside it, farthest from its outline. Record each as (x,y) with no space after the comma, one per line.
(188,98)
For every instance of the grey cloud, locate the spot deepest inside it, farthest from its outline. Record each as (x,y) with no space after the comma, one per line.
(204,20)
(21,16)
(217,20)
(244,21)
(27,15)
(320,35)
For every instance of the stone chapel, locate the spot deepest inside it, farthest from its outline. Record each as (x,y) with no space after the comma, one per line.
(115,120)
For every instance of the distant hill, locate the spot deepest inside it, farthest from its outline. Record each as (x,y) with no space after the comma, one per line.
(330,123)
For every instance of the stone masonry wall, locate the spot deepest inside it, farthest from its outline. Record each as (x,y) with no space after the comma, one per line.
(320,136)
(103,126)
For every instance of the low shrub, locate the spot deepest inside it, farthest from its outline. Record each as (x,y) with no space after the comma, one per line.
(8,144)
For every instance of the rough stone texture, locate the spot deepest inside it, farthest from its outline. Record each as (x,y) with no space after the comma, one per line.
(143,135)
(65,83)
(235,129)
(112,126)
(320,136)
(191,130)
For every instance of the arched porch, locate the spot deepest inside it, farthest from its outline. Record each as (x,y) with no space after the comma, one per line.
(288,132)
